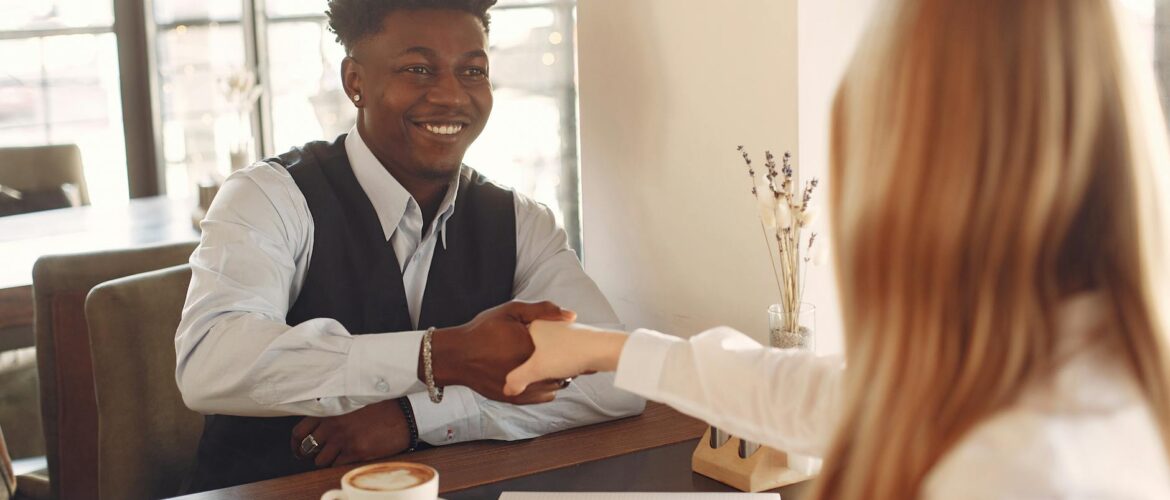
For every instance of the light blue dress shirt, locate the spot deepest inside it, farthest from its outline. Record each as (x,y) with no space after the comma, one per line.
(237,356)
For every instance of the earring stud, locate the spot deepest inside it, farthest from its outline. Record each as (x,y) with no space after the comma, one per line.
(357,97)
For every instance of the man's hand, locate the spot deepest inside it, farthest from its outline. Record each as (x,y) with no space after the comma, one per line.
(375,431)
(480,353)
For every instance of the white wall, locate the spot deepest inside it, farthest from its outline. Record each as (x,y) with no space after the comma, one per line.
(827,32)
(668,89)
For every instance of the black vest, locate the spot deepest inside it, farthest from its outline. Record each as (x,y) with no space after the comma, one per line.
(354,278)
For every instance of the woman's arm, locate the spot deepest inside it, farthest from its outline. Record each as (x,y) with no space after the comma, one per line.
(785,399)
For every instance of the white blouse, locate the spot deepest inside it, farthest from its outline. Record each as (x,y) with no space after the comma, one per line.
(1085,433)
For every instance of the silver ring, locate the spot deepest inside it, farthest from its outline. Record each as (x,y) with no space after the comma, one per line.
(309,445)
(565,383)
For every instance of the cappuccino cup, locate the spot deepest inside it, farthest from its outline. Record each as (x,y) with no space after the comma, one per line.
(388,481)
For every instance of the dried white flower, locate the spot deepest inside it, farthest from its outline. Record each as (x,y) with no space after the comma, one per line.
(783,215)
(767,211)
(807,216)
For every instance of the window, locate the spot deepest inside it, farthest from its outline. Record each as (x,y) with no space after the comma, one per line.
(59,84)
(1141,15)
(207,127)
(200,49)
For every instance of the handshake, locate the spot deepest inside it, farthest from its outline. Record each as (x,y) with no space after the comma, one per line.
(520,353)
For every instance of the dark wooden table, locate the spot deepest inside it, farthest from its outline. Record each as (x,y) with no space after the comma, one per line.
(662,469)
(143,221)
(651,452)
(25,238)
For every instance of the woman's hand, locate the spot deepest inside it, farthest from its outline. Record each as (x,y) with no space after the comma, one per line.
(563,350)
(481,352)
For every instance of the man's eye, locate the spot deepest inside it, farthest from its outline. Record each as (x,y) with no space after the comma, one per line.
(419,70)
(475,72)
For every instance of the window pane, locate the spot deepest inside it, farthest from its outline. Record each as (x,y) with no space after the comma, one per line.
(278,8)
(532,71)
(22,96)
(307,101)
(43,14)
(175,11)
(65,90)
(201,121)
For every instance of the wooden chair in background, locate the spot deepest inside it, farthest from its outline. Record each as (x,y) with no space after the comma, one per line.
(146,435)
(41,178)
(65,368)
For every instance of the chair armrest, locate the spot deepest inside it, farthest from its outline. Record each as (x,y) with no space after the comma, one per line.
(33,486)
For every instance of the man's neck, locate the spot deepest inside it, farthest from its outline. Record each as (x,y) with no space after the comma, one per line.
(427,192)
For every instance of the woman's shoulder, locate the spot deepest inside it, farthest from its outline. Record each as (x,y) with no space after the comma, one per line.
(1040,451)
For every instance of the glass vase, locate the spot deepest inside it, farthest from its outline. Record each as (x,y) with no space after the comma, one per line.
(781,334)
(781,331)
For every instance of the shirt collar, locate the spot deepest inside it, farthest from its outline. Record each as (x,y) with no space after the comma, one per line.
(389,198)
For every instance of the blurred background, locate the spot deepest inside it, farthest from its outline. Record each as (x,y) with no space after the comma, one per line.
(208,85)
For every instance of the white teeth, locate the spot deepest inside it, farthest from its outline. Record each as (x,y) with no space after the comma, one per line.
(448,129)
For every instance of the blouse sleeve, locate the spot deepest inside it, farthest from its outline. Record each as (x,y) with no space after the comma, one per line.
(785,399)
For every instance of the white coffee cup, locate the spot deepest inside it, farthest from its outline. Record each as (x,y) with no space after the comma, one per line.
(388,481)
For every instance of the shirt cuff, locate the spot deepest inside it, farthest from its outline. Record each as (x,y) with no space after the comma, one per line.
(640,365)
(456,419)
(383,366)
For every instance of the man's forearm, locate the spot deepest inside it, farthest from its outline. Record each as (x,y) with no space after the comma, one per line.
(466,416)
(315,368)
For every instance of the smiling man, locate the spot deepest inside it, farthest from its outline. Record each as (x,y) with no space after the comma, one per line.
(357,299)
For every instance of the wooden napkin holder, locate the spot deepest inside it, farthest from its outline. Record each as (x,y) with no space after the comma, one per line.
(765,469)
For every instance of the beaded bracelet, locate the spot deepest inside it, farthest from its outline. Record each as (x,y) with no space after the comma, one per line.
(408,412)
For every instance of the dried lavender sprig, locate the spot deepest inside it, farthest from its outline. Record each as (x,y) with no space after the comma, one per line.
(811,239)
(763,230)
(751,171)
(808,190)
(770,163)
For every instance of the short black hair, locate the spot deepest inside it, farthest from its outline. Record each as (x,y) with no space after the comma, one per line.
(353,20)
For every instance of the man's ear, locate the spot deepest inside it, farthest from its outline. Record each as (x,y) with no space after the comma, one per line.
(351,81)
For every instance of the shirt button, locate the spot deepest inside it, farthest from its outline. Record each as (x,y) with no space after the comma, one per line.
(382,386)
(415,257)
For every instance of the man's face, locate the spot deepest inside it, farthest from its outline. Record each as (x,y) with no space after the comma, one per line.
(424,90)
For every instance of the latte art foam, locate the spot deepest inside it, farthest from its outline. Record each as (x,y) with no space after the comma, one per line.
(390,479)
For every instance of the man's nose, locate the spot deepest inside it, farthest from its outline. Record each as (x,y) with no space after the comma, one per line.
(448,91)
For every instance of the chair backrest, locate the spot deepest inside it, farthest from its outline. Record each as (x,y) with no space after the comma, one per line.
(43,168)
(146,434)
(7,477)
(64,366)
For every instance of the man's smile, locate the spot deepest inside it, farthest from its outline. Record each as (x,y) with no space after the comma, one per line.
(441,129)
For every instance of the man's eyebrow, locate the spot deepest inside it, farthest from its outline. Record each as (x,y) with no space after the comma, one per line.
(418,50)
(426,52)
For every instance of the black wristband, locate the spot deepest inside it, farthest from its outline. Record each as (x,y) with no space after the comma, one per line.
(408,412)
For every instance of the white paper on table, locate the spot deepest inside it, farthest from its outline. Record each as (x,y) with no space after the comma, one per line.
(637,495)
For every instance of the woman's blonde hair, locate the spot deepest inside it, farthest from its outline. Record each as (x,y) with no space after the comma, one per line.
(989,160)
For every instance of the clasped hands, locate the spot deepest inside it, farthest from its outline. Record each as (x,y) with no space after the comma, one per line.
(493,354)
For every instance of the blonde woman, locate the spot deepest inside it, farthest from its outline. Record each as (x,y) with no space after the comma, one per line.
(998,178)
